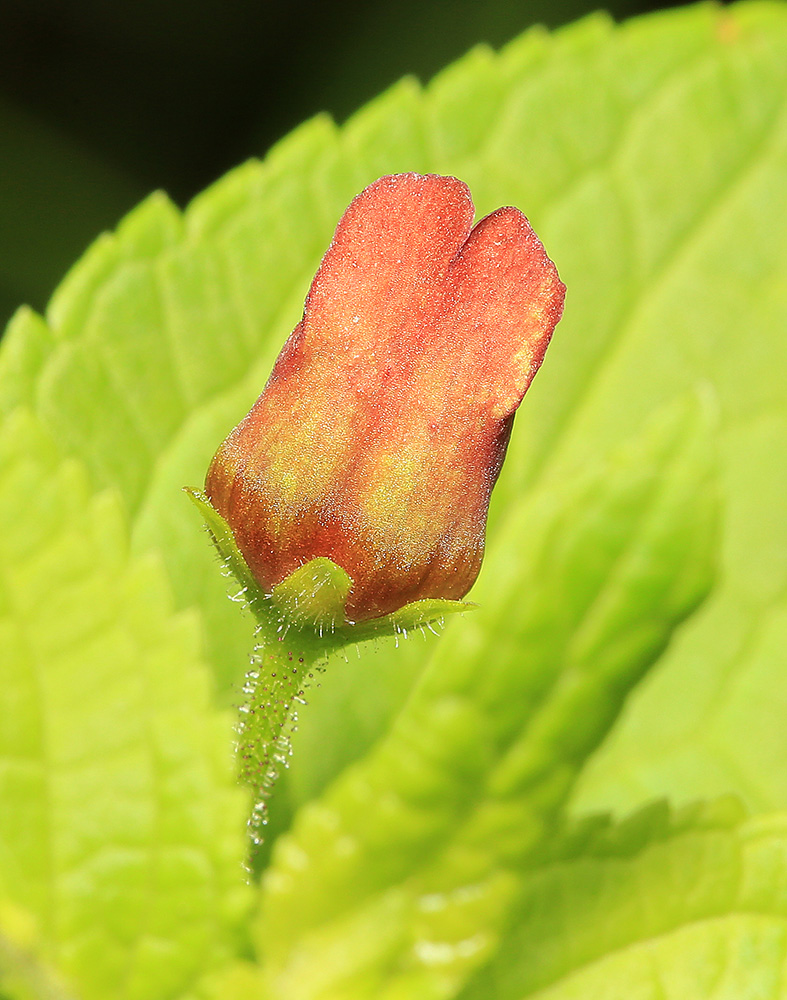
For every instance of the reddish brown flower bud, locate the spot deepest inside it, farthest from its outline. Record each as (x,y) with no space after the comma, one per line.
(382,429)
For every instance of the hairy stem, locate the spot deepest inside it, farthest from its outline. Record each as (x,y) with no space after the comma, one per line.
(274,688)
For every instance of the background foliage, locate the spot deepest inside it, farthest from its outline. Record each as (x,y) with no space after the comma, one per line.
(472,816)
(101,103)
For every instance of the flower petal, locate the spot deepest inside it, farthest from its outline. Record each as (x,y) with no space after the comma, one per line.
(381,432)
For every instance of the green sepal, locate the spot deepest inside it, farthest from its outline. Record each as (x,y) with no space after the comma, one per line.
(314,596)
(419,614)
(312,600)
(224,540)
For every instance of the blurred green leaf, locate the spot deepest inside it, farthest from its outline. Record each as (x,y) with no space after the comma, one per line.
(122,829)
(24,975)
(659,192)
(651,160)
(658,907)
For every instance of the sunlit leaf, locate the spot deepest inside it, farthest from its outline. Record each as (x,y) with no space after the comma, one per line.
(122,830)
(650,158)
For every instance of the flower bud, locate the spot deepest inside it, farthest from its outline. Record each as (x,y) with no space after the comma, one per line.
(382,429)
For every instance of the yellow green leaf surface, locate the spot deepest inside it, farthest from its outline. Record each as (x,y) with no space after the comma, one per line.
(121,832)
(408,852)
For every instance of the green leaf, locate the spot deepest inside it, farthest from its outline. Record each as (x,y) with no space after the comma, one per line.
(650,158)
(657,189)
(470,779)
(23,973)
(695,909)
(123,830)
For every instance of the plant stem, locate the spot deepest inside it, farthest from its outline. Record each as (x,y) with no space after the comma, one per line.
(281,668)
